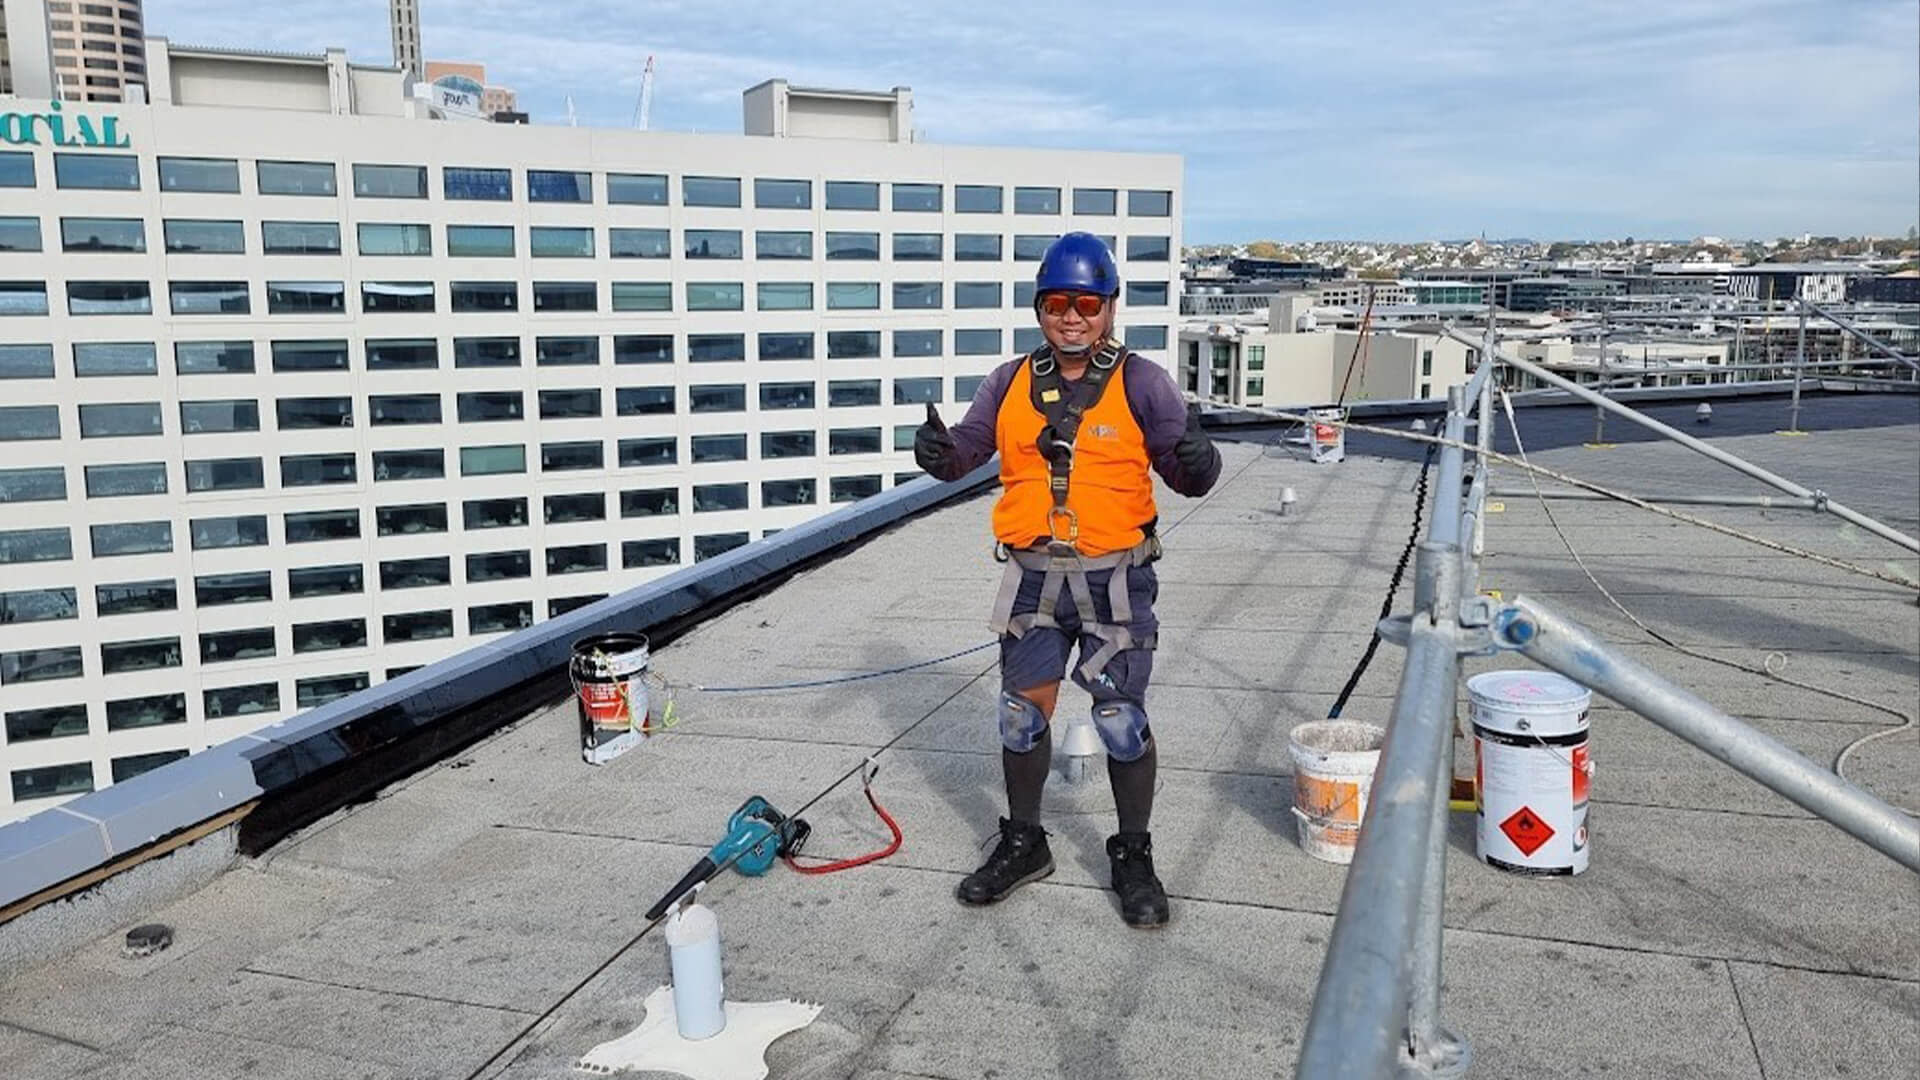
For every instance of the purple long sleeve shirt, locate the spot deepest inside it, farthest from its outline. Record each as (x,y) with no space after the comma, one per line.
(1151,394)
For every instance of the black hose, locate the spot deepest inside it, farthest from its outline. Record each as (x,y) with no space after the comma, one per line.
(1399,571)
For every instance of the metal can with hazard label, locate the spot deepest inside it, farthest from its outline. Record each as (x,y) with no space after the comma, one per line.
(1532,770)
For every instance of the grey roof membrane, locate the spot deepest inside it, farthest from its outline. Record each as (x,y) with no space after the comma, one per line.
(479,919)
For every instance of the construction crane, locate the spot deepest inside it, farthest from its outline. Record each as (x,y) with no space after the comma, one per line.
(643,109)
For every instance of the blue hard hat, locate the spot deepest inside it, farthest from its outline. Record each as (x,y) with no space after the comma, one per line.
(1078,262)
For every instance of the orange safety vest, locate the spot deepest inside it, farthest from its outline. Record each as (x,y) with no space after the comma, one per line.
(1110,492)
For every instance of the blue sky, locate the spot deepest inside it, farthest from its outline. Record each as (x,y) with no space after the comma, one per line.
(1555,119)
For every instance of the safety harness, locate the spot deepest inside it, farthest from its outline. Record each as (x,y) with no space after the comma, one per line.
(1059,559)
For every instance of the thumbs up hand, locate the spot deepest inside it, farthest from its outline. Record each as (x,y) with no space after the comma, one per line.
(933,446)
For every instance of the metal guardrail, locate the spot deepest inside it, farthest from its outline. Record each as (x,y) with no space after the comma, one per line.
(1377,1010)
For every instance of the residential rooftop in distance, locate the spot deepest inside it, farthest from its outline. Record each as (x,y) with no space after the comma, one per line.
(477,918)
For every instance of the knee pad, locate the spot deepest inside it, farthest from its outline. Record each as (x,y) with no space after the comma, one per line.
(1123,727)
(1021,722)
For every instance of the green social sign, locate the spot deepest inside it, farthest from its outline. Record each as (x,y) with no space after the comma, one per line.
(26,129)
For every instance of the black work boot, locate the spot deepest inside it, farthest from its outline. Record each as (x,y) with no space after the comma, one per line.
(1020,856)
(1143,903)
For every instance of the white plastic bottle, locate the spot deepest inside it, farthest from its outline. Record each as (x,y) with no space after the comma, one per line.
(693,945)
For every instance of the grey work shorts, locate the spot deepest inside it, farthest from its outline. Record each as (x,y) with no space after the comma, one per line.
(1040,656)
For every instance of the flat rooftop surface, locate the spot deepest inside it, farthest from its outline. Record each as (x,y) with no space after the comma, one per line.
(479,919)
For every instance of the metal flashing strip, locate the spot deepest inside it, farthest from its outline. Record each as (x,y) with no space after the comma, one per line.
(45,849)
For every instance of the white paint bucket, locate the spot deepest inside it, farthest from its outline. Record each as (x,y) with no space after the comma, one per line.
(1531,770)
(609,674)
(1327,436)
(1333,765)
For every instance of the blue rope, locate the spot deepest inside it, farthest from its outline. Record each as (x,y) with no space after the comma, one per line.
(843,678)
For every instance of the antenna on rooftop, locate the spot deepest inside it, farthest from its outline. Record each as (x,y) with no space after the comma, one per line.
(572,119)
(643,109)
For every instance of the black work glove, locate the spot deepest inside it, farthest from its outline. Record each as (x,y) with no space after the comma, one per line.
(933,448)
(1194,450)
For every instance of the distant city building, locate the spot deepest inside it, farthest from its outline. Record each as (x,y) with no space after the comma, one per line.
(1286,360)
(1559,293)
(1356,292)
(403,20)
(1902,288)
(465,83)
(305,390)
(1499,281)
(1447,292)
(1249,268)
(97,48)
(1821,283)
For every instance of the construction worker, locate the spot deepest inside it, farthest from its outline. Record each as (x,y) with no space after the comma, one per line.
(1077,424)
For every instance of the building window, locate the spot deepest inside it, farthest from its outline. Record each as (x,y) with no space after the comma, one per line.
(1026,339)
(483,406)
(1036,200)
(642,189)
(26,361)
(711,398)
(300,237)
(146,654)
(639,244)
(316,526)
(786,346)
(200,174)
(855,246)
(23,298)
(40,665)
(209,298)
(391,238)
(715,545)
(786,395)
(477,514)
(715,296)
(783,194)
(916,247)
(378,297)
(410,519)
(40,605)
(1146,294)
(295,177)
(484,296)
(1031,248)
(306,298)
(710,191)
(55,722)
(570,404)
(1100,202)
(565,296)
(549,185)
(716,348)
(416,626)
(712,243)
(486,352)
(499,566)
(330,635)
(785,296)
(16,169)
(853,195)
(428,464)
(576,559)
(853,296)
(1141,203)
(212,357)
(566,351)
(775,445)
(97,172)
(642,296)
(143,712)
(916,391)
(977,199)
(573,509)
(480,241)
(852,393)
(490,185)
(644,401)
(419,573)
(48,781)
(916,343)
(976,247)
(499,618)
(1155,337)
(493,460)
(228,532)
(105,234)
(390,181)
(560,242)
(976,294)
(707,449)
(109,298)
(639,553)
(766,244)
(131,597)
(25,423)
(642,453)
(241,700)
(225,474)
(789,493)
(843,489)
(317,355)
(916,198)
(560,605)
(312,470)
(119,420)
(385,409)
(650,502)
(853,344)
(313,693)
(976,342)
(864,440)
(45,484)
(714,498)
(643,349)
(1149,248)
(341,580)
(119,481)
(35,545)
(23,233)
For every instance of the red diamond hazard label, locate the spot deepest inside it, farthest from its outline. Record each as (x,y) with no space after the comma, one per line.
(1526,830)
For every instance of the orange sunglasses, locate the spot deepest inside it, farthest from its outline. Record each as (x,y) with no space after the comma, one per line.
(1088,305)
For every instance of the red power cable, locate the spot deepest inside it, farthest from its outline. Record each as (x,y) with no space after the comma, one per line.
(866,787)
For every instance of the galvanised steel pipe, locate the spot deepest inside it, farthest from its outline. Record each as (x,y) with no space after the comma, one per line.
(1554,641)
(1765,502)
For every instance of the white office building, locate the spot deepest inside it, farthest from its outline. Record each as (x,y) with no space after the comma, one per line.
(300,397)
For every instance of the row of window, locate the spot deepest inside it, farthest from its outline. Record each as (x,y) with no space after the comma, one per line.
(121,172)
(27,423)
(204,236)
(76,777)
(309,298)
(123,358)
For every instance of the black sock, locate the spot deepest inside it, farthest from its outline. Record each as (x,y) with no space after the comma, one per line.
(1027,776)
(1133,788)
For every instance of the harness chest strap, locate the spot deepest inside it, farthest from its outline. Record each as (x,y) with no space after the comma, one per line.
(1064,412)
